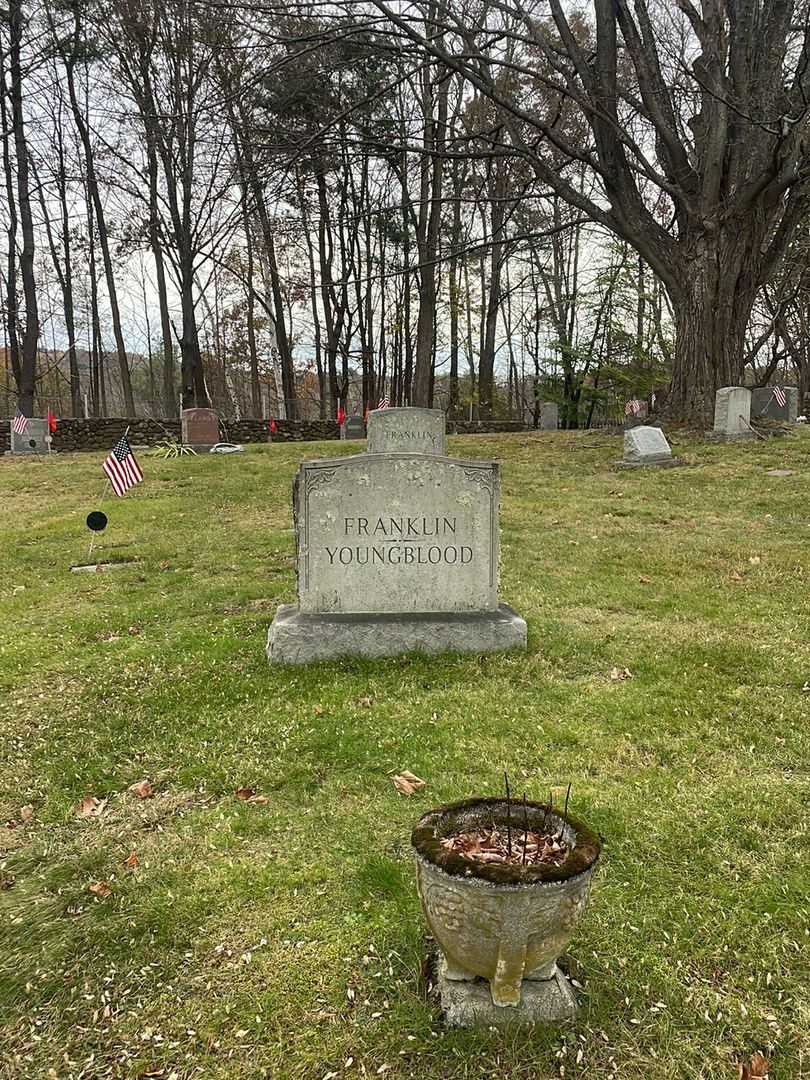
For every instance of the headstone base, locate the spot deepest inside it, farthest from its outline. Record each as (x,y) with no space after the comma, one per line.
(298,638)
(657,463)
(469,1004)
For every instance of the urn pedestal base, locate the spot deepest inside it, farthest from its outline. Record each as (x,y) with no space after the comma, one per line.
(468,1003)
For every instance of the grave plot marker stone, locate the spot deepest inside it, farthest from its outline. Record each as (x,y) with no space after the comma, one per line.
(644,446)
(397,551)
(549,416)
(732,415)
(32,441)
(200,428)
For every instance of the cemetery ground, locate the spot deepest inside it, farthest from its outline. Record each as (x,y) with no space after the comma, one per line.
(196,933)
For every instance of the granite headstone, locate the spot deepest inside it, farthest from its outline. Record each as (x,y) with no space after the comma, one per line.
(200,428)
(354,428)
(33,440)
(645,445)
(732,414)
(419,430)
(397,551)
(765,404)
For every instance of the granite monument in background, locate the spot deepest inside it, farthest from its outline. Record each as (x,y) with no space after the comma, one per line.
(766,403)
(396,551)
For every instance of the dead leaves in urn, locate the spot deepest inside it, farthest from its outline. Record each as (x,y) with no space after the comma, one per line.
(142,790)
(758,1068)
(407,783)
(248,795)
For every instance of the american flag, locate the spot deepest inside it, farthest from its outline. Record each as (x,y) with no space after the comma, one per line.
(633,407)
(781,398)
(384,403)
(20,423)
(121,467)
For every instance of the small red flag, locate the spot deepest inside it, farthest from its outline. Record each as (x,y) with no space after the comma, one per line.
(273,425)
(341,415)
(51,422)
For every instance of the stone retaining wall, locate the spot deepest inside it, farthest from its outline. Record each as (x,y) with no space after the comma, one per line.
(101,433)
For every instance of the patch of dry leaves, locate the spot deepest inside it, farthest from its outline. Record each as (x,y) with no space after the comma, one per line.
(407,783)
(757,1069)
(520,848)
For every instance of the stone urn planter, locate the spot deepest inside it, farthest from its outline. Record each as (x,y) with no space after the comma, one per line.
(500,928)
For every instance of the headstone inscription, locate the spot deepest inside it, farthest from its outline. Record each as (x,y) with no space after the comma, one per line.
(549,416)
(397,551)
(645,445)
(32,440)
(732,414)
(765,403)
(200,428)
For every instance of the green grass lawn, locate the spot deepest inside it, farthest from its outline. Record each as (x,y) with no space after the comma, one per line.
(284,938)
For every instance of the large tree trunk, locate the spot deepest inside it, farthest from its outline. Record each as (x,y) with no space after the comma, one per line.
(712,307)
(30,340)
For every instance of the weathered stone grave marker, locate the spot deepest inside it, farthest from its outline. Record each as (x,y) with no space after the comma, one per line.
(549,416)
(354,428)
(397,551)
(33,440)
(200,428)
(732,415)
(645,445)
(765,404)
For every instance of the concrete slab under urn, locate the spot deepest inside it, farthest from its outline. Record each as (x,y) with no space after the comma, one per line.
(395,552)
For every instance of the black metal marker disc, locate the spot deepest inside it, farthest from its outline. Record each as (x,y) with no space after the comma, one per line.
(96,521)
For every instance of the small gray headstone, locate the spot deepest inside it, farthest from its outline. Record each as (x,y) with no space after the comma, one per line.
(549,416)
(732,412)
(420,431)
(764,404)
(646,446)
(354,428)
(33,441)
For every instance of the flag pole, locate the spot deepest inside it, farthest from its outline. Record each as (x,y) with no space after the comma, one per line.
(107,484)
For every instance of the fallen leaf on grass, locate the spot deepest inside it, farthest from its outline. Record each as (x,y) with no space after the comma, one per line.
(407,783)
(806,688)
(735,576)
(247,794)
(757,1070)
(131,860)
(142,790)
(27,814)
(100,889)
(644,580)
(620,674)
(133,630)
(755,560)
(365,701)
(7,881)
(90,806)
(318,710)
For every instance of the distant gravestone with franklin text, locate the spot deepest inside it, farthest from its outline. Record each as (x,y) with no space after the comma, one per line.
(397,551)
(396,429)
